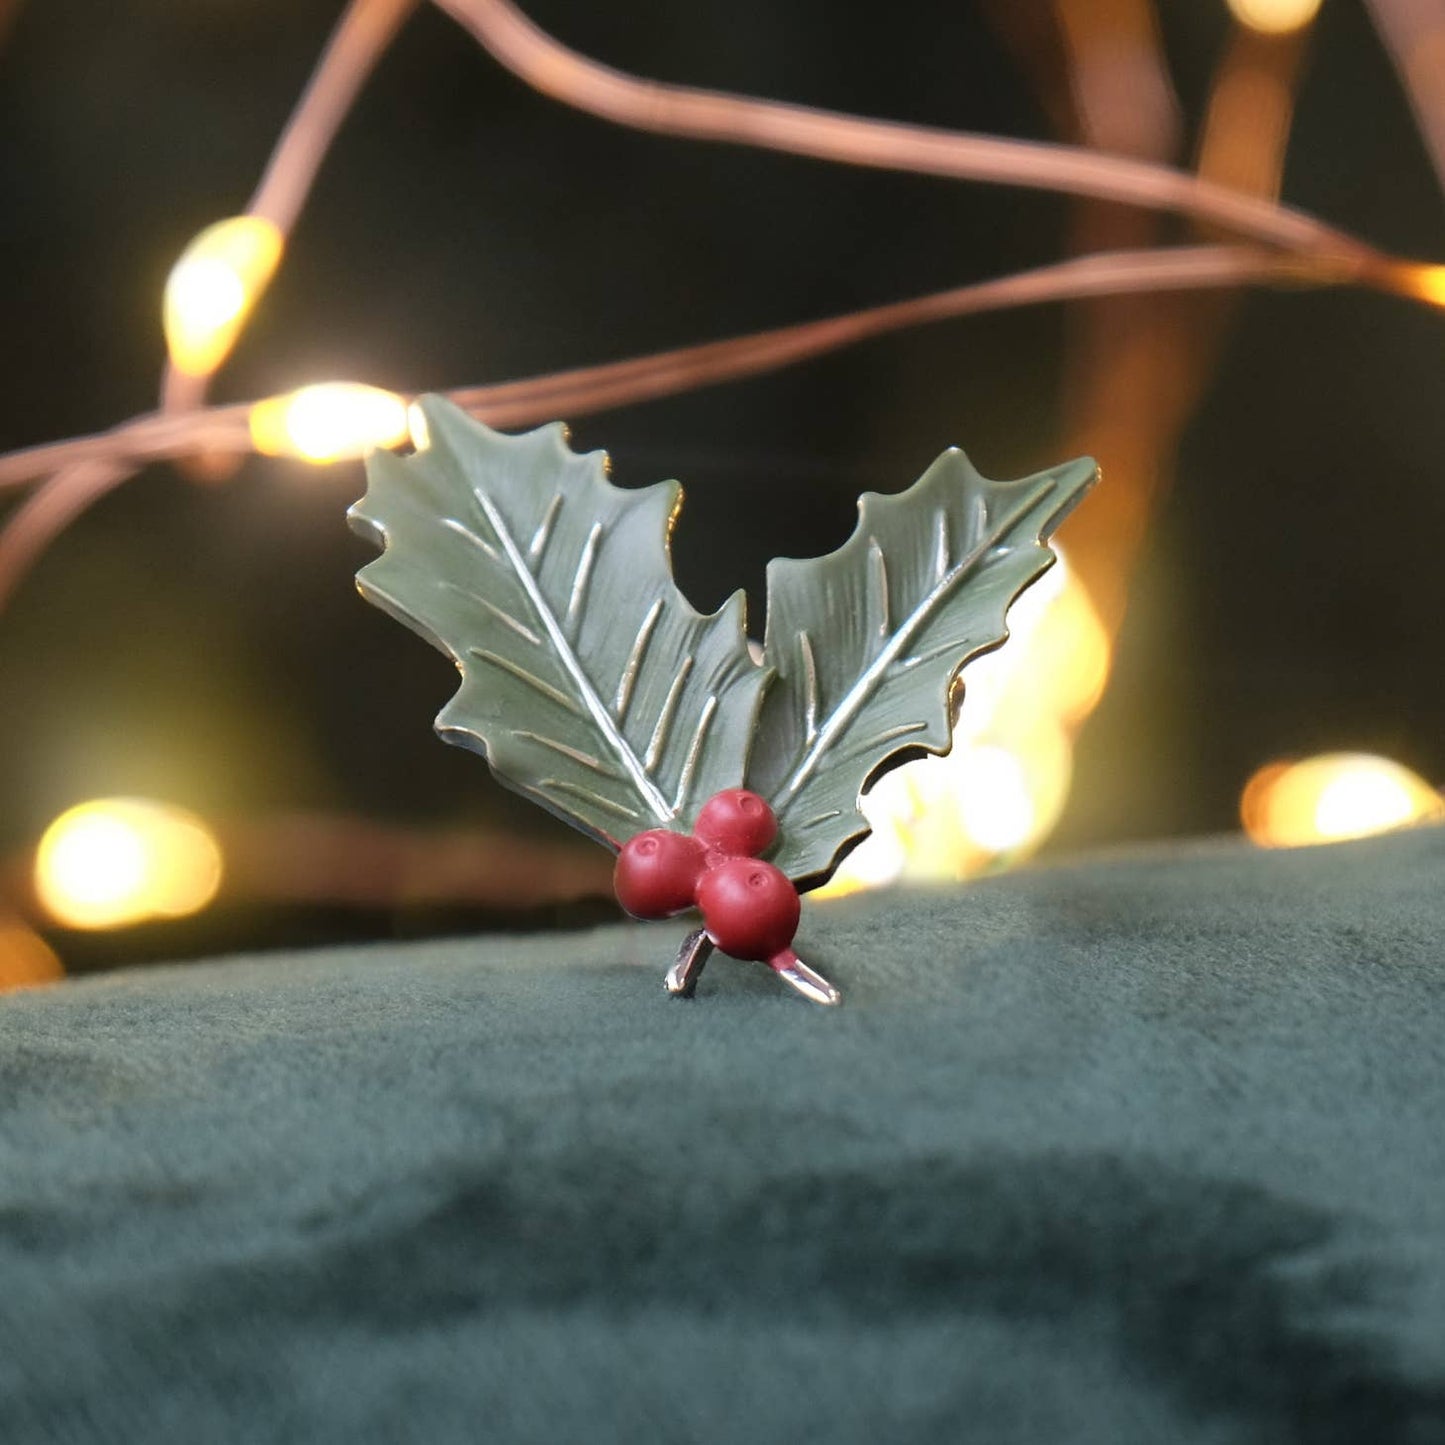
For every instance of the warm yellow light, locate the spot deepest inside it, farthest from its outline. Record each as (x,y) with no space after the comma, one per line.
(1055,663)
(417,427)
(998,810)
(212,288)
(25,958)
(1422,280)
(1334,796)
(1274,17)
(331,422)
(1064,662)
(117,861)
(986,804)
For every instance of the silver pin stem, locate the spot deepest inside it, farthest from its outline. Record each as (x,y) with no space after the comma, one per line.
(682,977)
(794,972)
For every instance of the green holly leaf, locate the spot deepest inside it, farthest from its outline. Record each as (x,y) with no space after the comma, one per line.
(589,682)
(867,642)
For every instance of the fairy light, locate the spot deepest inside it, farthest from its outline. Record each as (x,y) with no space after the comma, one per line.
(117,861)
(212,288)
(1274,17)
(1425,281)
(332,421)
(1334,796)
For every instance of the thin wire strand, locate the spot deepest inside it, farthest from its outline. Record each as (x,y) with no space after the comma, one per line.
(361,37)
(550,67)
(156,436)
(590,389)
(48,511)
(367,28)
(1413,32)
(92,466)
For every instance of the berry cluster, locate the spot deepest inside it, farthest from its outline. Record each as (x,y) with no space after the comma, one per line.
(749,908)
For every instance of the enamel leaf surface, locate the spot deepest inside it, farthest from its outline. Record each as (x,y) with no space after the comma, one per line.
(587,679)
(867,641)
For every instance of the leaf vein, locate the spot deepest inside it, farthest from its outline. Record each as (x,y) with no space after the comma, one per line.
(467,535)
(665,717)
(957,645)
(576,754)
(871,676)
(820,819)
(483,654)
(606,725)
(689,767)
(880,583)
(628,680)
(810,677)
(583,575)
(543,534)
(502,616)
(888,735)
(576,790)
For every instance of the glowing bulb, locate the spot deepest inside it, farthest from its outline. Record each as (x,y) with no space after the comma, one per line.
(212,288)
(1422,280)
(986,804)
(998,806)
(117,861)
(1334,796)
(1274,17)
(331,422)
(1360,802)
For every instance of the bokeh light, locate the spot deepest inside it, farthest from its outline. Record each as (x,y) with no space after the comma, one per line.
(998,809)
(1425,280)
(117,861)
(332,421)
(1274,17)
(1334,796)
(212,288)
(26,960)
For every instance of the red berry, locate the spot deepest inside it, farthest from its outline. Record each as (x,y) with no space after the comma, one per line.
(750,908)
(657,873)
(737,823)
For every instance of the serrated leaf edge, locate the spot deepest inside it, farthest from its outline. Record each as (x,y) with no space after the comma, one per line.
(873,675)
(731,612)
(563,646)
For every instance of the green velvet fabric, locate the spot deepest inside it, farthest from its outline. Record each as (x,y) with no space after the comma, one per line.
(1146,1149)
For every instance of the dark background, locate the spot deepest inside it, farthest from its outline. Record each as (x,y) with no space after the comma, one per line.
(205,644)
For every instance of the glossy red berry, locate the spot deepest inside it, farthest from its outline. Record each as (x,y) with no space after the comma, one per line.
(750,908)
(737,823)
(657,873)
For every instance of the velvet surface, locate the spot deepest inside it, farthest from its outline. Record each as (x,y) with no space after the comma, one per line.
(1144,1149)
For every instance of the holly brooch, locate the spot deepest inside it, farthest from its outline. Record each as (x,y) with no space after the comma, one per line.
(722,780)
